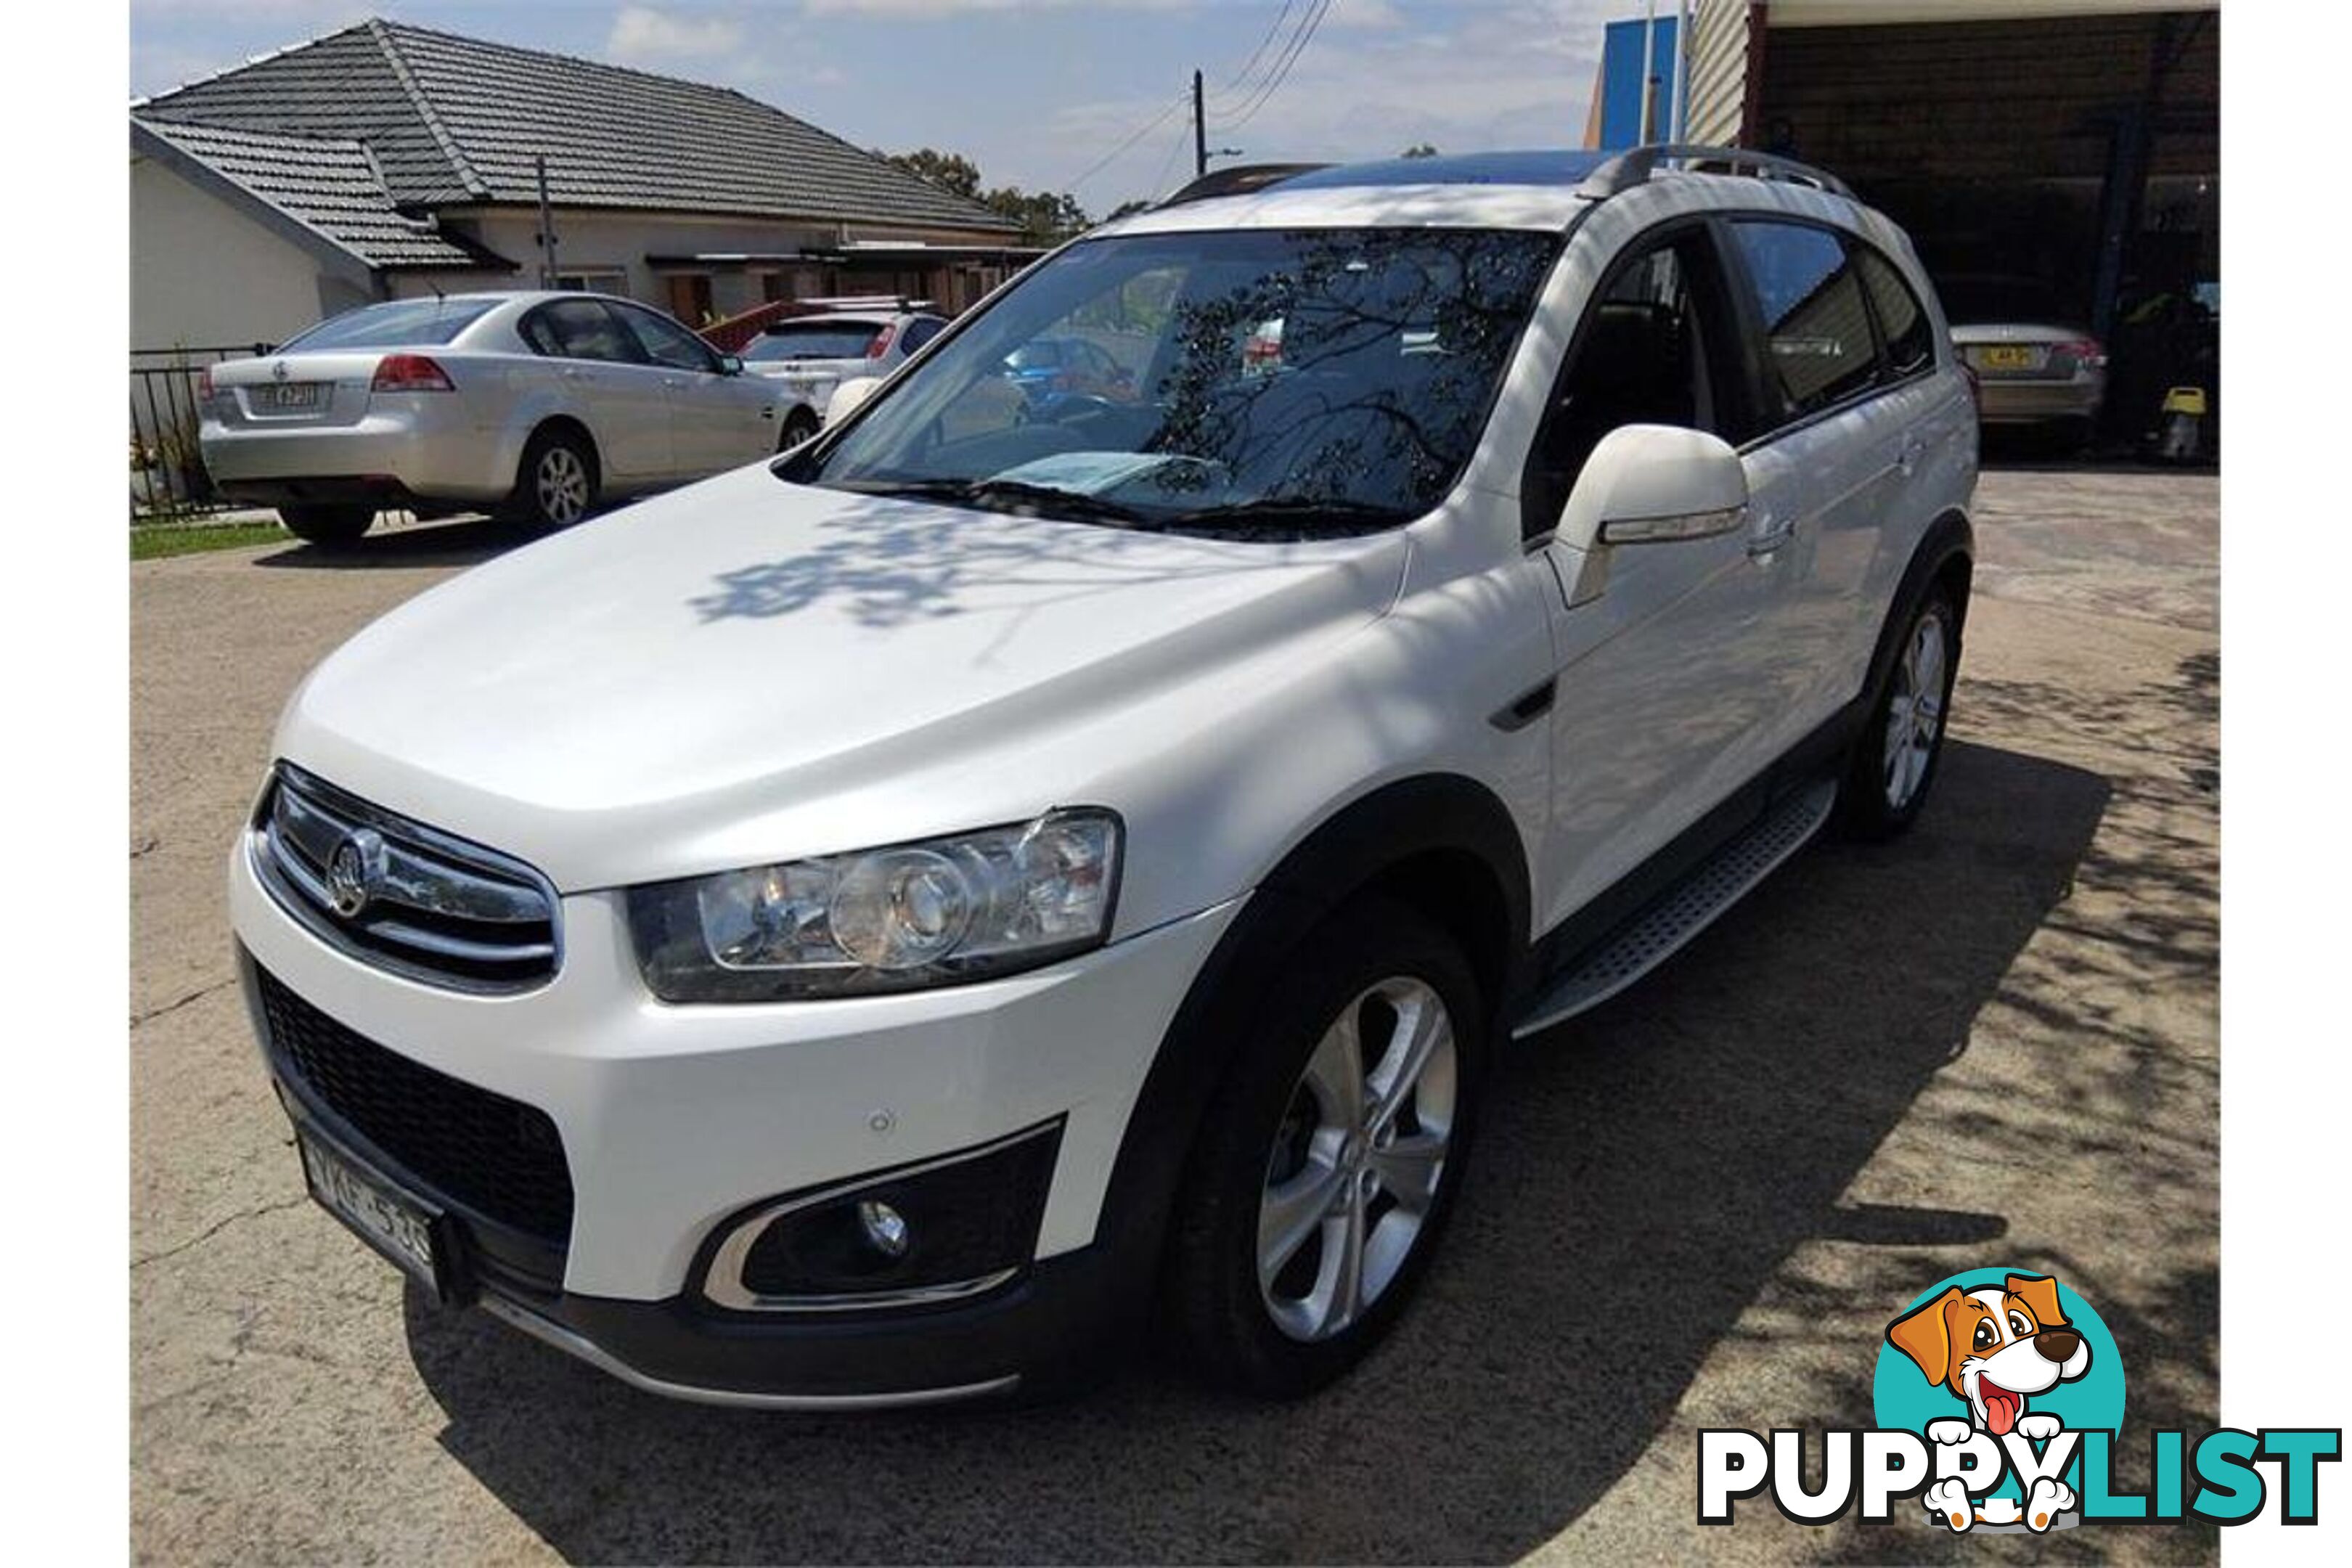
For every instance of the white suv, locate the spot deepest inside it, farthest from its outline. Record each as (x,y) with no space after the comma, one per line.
(869,928)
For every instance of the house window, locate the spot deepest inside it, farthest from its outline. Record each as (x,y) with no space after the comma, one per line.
(690,297)
(595,280)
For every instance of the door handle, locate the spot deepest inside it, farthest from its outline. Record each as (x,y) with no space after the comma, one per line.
(1771,533)
(673,381)
(579,376)
(1909,453)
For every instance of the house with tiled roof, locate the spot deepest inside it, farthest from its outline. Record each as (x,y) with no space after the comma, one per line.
(388,160)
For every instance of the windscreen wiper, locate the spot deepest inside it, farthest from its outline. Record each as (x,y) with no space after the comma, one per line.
(1297,513)
(1048,501)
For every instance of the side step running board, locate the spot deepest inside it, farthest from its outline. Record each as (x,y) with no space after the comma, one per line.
(1683,910)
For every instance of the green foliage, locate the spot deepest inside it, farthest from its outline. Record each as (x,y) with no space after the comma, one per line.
(176,538)
(1046,217)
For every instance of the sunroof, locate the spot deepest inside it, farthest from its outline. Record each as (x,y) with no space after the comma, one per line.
(1534,167)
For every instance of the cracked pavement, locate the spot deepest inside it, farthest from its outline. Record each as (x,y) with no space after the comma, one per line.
(1994,1043)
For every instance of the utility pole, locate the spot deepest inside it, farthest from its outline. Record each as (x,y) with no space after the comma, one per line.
(1199,132)
(1649,74)
(546,230)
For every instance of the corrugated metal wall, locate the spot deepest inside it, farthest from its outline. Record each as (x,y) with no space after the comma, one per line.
(1719,71)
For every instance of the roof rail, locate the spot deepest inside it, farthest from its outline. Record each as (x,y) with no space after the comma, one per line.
(1635,166)
(1237,180)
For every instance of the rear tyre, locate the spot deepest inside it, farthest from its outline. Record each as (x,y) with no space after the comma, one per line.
(327,524)
(1894,761)
(799,426)
(1330,1157)
(555,484)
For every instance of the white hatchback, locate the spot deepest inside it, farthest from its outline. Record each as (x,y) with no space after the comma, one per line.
(871,928)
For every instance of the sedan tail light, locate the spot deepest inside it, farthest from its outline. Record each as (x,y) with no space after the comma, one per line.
(410,373)
(2086,351)
(882,340)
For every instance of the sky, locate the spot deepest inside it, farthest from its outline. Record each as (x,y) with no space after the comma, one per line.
(1040,93)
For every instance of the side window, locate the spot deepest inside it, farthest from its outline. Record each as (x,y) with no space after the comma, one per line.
(580,329)
(920,330)
(1905,335)
(668,343)
(1817,349)
(1652,349)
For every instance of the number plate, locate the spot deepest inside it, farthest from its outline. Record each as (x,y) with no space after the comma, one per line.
(2010,356)
(289,396)
(402,1230)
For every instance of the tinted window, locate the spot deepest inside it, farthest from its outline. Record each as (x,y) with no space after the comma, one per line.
(1652,349)
(669,343)
(580,329)
(1817,344)
(398,323)
(812,340)
(1296,383)
(1903,326)
(920,330)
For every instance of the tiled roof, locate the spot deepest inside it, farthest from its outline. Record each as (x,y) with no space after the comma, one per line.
(330,186)
(454,119)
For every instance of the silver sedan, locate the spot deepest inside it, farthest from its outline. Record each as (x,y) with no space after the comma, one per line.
(537,405)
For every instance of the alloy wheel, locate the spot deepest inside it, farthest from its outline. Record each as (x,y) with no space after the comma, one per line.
(1915,710)
(1357,1159)
(562,484)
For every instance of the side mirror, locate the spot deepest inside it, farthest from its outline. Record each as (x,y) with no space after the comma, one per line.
(1648,484)
(848,396)
(730,365)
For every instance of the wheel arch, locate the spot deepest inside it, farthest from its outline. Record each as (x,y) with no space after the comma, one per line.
(1945,558)
(1441,844)
(568,424)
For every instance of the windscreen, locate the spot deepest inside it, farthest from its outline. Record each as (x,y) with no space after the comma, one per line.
(1255,381)
(812,340)
(396,324)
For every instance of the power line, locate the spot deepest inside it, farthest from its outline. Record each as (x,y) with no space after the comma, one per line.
(1282,68)
(1259,53)
(1146,128)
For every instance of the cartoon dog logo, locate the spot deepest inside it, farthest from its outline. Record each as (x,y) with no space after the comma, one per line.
(1993,1348)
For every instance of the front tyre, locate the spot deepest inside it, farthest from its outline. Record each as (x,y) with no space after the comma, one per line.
(1330,1157)
(1894,757)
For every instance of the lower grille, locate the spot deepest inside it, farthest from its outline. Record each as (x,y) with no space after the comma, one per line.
(496,1156)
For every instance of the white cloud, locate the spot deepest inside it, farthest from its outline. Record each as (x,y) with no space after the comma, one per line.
(927,10)
(643,35)
(1364,15)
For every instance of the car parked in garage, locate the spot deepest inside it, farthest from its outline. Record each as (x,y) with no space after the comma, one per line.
(538,404)
(808,356)
(881,926)
(2034,366)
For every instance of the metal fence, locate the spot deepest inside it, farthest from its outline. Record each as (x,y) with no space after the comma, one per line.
(167,471)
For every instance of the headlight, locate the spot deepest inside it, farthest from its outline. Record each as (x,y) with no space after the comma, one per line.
(940,912)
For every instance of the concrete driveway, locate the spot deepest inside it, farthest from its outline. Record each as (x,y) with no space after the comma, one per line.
(1992,1043)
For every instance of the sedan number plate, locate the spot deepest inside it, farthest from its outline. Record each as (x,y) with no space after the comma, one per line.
(2010,356)
(288,396)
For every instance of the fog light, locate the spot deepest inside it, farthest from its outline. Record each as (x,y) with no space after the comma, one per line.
(885,1227)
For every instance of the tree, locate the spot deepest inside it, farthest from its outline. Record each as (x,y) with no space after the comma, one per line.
(1419,150)
(950,171)
(1046,217)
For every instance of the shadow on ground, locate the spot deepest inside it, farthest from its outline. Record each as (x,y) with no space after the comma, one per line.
(463,541)
(1642,1172)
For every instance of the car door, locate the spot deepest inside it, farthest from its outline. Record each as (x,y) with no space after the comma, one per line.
(1665,677)
(716,420)
(606,378)
(1828,476)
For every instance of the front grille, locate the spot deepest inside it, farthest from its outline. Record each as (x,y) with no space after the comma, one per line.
(400,895)
(496,1156)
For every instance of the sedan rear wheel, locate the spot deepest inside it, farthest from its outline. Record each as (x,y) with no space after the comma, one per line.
(557,485)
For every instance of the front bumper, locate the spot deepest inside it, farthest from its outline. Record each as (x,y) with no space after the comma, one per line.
(674,1119)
